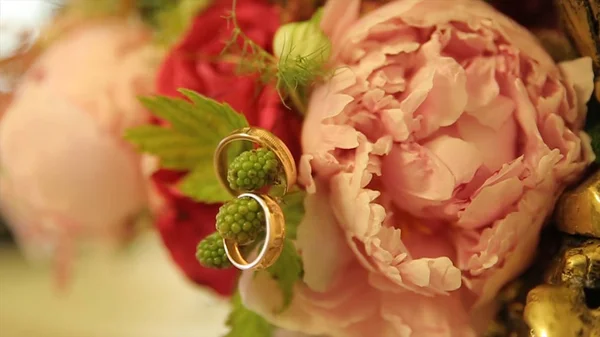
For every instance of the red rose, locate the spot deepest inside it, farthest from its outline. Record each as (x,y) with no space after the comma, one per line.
(192,64)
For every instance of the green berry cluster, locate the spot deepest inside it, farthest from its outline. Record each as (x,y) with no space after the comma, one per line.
(253,170)
(241,220)
(211,253)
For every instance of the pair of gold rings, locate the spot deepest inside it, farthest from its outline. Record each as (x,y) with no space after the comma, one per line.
(275,222)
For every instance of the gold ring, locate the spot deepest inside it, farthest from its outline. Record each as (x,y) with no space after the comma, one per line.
(274,238)
(262,138)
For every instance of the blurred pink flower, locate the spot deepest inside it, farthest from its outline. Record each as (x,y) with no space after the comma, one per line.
(432,159)
(66,172)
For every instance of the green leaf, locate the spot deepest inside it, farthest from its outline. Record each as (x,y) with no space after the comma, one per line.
(175,150)
(593,126)
(293,209)
(287,270)
(202,185)
(196,128)
(246,323)
(173,18)
(301,52)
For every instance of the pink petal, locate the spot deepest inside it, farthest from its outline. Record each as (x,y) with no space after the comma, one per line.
(463,167)
(321,242)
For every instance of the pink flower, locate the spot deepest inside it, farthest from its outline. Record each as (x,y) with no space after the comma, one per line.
(432,159)
(66,172)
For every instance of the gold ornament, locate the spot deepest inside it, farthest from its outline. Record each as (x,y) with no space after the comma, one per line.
(559,296)
(578,211)
(565,307)
(275,221)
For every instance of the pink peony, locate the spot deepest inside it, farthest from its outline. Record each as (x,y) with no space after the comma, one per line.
(66,172)
(431,159)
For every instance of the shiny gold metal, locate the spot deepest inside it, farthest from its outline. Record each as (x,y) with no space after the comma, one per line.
(262,138)
(275,222)
(558,311)
(578,211)
(273,242)
(559,308)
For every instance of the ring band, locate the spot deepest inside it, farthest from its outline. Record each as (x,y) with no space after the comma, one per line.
(264,139)
(274,238)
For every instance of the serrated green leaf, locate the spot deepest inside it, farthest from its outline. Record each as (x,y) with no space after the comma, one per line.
(287,270)
(165,108)
(196,128)
(246,323)
(217,115)
(293,210)
(202,185)
(176,151)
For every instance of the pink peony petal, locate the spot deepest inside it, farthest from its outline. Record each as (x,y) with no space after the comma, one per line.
(439,154)
(463,168)
(577,73)
(481,83)
(414,171)
(321,242)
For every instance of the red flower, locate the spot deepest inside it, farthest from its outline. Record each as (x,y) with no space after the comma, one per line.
(193,65)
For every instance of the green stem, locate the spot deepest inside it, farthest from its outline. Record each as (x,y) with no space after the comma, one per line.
(297,101)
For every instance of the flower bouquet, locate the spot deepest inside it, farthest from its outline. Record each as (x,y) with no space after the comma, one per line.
(436,138)
(354,168)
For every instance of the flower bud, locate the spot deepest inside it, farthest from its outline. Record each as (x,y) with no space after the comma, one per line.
(302,40)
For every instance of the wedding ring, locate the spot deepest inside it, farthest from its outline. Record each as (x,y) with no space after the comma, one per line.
(273,244)
(262,138)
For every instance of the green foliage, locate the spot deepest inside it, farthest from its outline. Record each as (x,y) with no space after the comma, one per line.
(196,128)
(171,18)
(201,184)
(293,209)
(246,323)
(294,69)
(595,134)
(593,126)
(95,8)
(176,150)
(287,270)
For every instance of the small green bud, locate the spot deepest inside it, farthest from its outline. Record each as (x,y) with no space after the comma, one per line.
(241,220)
(253,170)
(302,40)
(211,252)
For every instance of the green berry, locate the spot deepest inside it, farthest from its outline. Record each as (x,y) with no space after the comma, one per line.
(254,169)
(241,220)
(211,253)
